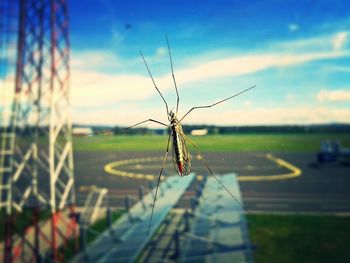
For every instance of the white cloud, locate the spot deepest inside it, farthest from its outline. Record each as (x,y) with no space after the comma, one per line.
(333,95)
(247,64)
(96,60)
(308,44)
(329,42)
(6,99)
(161,51)
(7,90)
(125,115)
(280,115)
(293,27)
(90,88)
(93,86)
(248,116)
(247,103)
(339,40)
(290,96)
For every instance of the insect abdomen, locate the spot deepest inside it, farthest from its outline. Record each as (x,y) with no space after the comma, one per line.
(177,144)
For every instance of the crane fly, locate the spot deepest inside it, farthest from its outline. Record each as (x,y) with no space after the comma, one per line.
(177,139)
(180,154)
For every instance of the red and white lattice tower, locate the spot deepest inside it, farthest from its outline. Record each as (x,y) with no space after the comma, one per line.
(36,164)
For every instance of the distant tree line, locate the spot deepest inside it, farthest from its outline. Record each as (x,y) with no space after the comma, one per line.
(327,128)
(212,129)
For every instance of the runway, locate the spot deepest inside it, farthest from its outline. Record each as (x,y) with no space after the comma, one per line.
(313,190)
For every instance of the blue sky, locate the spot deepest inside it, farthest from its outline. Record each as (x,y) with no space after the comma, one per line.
(296,53)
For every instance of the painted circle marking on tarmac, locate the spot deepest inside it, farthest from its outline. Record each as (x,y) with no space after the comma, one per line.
(111,168)
(294,171)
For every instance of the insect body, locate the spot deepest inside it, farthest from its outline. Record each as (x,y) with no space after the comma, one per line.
(181,157)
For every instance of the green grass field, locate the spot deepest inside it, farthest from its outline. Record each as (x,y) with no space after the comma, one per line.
(225,143)
(299,238)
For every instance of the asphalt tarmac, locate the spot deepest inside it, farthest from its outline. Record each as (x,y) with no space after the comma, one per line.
(325,189)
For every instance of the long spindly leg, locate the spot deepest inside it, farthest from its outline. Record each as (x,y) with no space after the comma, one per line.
(160,175)
(154,83)
(205,162)
(132,126)
(216,103)
(172,73)
(159,122)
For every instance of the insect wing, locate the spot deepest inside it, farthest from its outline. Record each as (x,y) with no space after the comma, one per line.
(183,166)
(187,158)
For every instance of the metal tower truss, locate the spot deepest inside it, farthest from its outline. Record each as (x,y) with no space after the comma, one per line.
(36,147)
(8,22)
(40,116)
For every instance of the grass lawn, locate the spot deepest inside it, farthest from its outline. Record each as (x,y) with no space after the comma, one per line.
(237,142)
(299,238)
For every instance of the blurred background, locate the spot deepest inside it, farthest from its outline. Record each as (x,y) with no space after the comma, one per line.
(295,53)
(72,78)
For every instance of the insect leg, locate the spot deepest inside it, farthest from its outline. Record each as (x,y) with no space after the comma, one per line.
(154,83)
(205,162)
(159,122)
(160,175)
(216,103)
(172,73)
(132,126)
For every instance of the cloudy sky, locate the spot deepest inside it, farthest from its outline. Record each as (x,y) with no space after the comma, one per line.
(297,53)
